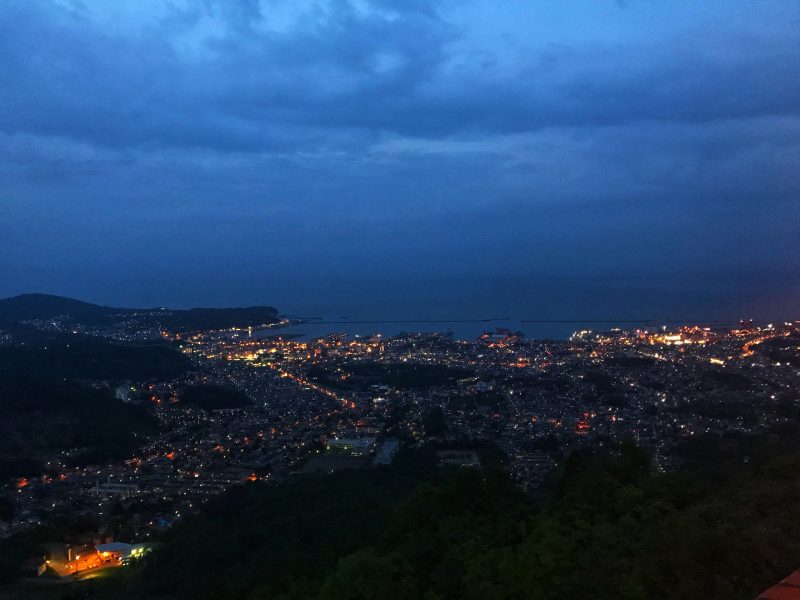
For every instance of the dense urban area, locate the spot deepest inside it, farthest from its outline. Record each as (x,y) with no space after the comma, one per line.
(226,406)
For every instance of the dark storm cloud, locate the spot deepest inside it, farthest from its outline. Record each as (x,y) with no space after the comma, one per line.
(383,69)
(346,141)
(239,90)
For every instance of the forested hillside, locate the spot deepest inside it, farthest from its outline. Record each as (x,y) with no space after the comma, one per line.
(47,406)
(607,527)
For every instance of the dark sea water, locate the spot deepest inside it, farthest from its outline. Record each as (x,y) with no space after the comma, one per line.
(539,308)
(461,329)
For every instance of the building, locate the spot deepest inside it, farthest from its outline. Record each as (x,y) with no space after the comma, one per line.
(386,453)
(458,458)
(114,489)
(123,392)
(121,552)
(352,446)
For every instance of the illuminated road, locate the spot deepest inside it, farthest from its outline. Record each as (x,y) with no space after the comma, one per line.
(747,349)
(311,385)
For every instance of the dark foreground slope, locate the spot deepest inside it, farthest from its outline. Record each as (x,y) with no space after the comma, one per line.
(90,358)
(46,406)
(40,418)
(606,529)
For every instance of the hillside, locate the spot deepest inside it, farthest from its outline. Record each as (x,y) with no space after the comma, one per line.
(195,319)
(69,312)
(46,406)
(41,417)
(606,527)
(90,358)
(44,306)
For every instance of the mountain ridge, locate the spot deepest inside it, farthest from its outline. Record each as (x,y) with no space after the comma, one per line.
(32,306)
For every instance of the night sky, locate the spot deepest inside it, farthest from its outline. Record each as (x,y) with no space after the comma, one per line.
(403,158)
